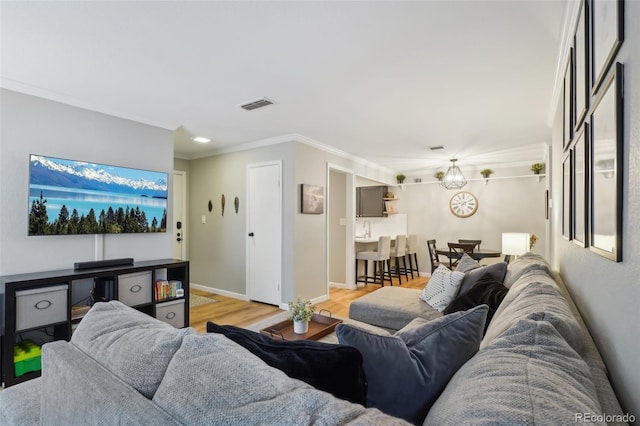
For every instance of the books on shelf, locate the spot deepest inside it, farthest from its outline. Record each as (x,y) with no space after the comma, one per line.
(168,289)
(79,311)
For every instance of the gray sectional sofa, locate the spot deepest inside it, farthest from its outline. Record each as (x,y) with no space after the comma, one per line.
(536,364)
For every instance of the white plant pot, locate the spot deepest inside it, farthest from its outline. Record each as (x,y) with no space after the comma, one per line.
(300,327)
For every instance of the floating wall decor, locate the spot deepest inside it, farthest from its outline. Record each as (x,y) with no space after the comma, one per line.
(210,206)
(222,203)
(236,204)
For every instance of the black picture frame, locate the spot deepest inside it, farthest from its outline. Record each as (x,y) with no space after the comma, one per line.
(566,197)
(581,68)
(568,102)
(580,188)
(607,35)
(606,162)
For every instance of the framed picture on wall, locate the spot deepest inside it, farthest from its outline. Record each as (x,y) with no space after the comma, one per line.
(568,103)
(607,34)
(579,178)
(566,196)
(606,169)
(580,61)
(312,197)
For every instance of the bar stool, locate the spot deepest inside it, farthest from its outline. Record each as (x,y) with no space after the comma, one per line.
(398,252)
(412,249)
(379,257)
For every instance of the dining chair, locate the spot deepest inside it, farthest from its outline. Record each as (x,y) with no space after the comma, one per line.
(456,250)
(379,258)
(476,242)
(433,255)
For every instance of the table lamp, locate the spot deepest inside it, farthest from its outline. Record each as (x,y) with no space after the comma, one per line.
(514,244)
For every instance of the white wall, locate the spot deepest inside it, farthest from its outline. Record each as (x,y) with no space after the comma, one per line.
(33,125)
(608,293)
(504,205)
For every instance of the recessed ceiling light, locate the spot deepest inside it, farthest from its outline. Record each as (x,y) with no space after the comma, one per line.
(201,139)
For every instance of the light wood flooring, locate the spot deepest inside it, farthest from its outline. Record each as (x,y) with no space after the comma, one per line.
(228,310)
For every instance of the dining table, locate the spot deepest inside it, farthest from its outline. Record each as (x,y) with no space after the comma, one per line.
(477,254)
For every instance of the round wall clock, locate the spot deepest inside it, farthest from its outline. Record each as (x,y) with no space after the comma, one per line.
(463,204)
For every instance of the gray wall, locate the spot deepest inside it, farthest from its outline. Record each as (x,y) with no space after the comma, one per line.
(217,247)
(33,125)
(608,293)
(337,207)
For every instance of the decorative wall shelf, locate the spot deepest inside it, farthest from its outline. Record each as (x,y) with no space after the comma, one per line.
(539,177)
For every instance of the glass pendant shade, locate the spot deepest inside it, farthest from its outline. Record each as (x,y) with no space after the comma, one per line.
(453,179)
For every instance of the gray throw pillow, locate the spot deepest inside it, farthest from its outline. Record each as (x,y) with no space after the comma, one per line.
(467,263)
(496,271)
(407,371)
(134,346)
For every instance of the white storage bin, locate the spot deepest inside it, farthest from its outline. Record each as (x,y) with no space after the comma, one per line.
(171,312)
(135,289)
(41,306)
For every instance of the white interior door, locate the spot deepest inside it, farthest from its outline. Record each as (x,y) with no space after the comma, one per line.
(179,214)
(264,232)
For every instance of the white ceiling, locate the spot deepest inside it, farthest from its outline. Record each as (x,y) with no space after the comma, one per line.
(379,80)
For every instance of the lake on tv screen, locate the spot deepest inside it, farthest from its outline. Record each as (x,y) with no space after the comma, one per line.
(84,200)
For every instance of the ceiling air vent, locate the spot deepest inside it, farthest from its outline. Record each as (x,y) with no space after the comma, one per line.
(435,148)
(258,103)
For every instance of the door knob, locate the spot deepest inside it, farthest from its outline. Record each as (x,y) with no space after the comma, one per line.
(178,239)
(251,234)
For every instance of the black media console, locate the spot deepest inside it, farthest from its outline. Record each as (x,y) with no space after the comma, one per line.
(41,307)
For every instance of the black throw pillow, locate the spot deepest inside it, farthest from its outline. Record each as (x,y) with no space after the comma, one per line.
(496,270)
(336,369)
(486,291)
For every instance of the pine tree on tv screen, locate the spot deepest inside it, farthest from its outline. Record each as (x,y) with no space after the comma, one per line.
(74,197)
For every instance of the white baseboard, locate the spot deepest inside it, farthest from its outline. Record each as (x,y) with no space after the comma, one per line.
(338,285)
(219,291)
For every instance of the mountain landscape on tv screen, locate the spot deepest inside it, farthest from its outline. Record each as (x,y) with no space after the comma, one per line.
(73,197)
(45,171)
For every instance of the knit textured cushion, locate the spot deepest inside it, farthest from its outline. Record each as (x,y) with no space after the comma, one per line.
(442,287)
(527,376)
(135,347)
(408,370)
(214,381)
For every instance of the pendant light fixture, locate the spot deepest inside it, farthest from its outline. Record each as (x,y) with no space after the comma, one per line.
(453,179)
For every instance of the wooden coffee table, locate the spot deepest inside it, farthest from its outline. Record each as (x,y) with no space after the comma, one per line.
(319,326)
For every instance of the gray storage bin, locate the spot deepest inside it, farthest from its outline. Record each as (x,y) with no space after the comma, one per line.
(171,312)
(135,289)
(41,306)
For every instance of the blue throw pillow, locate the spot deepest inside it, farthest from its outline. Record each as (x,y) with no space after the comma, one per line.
(337,369)
(406,372)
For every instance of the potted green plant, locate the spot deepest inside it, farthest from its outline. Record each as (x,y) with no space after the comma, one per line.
(401,178)
(300,312)
(439,175)
(536,168)
(486,173)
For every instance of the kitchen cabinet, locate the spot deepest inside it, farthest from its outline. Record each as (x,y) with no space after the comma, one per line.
(370,201)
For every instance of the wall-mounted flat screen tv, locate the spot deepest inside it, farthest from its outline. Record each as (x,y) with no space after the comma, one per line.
(76,197)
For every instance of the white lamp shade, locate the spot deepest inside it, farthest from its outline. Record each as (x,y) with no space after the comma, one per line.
(515,243)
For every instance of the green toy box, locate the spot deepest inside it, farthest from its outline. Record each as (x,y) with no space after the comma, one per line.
(26,357)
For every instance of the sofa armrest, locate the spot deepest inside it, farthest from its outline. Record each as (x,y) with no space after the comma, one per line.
(77,390)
